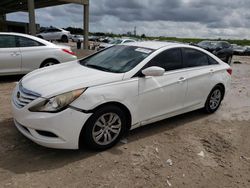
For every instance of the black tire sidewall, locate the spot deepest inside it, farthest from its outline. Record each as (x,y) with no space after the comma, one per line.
(64,38)
(86,137)
(44,64)
(207,105)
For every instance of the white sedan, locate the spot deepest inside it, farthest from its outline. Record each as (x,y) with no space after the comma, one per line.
(20,53)
(94,101)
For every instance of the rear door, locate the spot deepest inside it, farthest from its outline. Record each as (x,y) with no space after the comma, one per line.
(10,55)
(163,94)
(199,76)
(33,53)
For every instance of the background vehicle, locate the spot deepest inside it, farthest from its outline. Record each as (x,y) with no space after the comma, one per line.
(221,49)
(54,33)
(238,50)
(76,38)
(115,42)
(22,53)
(96,100)
(247,51)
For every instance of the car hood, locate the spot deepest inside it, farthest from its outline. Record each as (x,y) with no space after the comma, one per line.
(58,79)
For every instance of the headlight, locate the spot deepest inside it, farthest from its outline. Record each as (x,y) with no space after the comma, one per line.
(57,103)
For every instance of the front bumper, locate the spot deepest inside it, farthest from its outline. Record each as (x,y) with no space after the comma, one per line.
(54,130)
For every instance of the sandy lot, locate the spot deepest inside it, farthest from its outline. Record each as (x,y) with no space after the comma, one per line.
(163,154)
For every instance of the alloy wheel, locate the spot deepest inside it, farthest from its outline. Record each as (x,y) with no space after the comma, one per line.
(215,99)
(107,128)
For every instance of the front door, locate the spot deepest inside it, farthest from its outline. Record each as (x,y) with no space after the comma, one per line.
(163,94)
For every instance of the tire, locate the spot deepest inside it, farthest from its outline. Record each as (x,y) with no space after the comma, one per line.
(64,38)
(48,63)
(99,133)
(214,99)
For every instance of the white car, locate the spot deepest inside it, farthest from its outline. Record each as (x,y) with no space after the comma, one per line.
(94,101)
(115,42)
(54,33)
(20,53)
(76,38)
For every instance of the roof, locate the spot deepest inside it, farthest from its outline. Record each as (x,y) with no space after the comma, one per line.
(9,6)
(155,45)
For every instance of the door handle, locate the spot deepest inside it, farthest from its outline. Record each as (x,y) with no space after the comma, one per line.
(181,79)
(15,54)
(211,71)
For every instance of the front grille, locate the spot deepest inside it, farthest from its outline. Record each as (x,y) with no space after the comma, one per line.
(23,97)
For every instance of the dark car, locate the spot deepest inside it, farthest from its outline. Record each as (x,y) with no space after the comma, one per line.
(221,49)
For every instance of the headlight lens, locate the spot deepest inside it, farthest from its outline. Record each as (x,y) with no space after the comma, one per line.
(57,103)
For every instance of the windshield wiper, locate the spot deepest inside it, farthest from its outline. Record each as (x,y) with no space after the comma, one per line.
(98,67)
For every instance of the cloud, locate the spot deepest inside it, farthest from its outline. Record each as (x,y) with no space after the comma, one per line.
(182,18)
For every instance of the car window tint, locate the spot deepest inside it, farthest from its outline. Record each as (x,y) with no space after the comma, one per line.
(194,58)
(212,61)
(26,42)
(169,60)
(7,41)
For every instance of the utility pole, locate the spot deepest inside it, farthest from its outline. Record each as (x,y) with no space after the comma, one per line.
(135,31)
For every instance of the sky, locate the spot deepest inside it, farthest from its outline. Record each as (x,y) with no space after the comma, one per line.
(171,18)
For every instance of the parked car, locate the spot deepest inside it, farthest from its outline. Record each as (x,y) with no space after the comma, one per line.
(247,51)
(22,53)
(115,42)
(54,33)
(96,100)
(238,50)
(76,38)
(221,49)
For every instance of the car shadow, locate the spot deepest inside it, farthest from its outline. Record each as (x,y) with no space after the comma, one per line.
(12,78)
(20,155)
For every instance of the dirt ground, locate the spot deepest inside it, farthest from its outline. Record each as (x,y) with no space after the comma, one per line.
(191,150)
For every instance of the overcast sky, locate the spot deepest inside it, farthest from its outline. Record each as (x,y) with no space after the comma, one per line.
(179,18)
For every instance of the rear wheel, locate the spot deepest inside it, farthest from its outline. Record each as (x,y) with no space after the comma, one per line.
(104,128)
(65,38)
(48,63)
(214,99)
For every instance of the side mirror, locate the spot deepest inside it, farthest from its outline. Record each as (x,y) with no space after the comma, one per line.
(153,71)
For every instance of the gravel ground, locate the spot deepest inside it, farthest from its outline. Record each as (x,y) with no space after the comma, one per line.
(191,150)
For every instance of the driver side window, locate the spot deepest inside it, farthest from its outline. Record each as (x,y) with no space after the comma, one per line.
(169,59)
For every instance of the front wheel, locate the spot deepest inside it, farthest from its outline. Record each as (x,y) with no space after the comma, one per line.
(214,99)
(104,128)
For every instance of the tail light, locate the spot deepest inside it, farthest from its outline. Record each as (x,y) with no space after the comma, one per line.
(230,71)
(68,52)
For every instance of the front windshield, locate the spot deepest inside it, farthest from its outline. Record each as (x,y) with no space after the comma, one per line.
(206,44)
(117,59)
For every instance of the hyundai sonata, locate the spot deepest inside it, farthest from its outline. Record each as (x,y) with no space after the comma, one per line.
(94,101)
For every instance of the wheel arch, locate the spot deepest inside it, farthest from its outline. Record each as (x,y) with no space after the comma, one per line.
(223,88)
(114,103)
(121,106)
(49,60)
